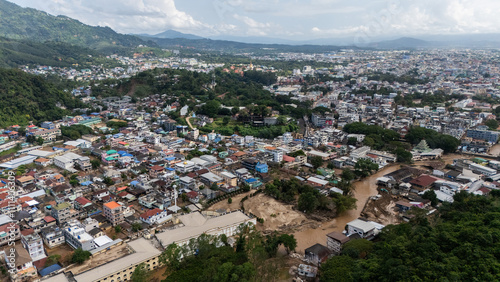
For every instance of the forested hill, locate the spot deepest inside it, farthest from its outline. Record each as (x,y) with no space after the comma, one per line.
(460,243)
(26,23)
(25,97)
(14,53)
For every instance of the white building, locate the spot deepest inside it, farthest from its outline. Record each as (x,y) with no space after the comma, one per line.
(155,216)
(68,160)
(76,237)
(184,167)
(196,224)
(34,245)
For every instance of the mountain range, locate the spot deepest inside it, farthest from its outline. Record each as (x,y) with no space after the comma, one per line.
(31,24)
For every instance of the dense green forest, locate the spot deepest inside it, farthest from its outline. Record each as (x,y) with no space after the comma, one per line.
(386,139)
(254,257)
(26,23)
(25,97)
(14,53)
(434,139)
(460,243)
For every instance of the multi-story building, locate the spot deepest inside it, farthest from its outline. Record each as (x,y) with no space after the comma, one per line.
(155,216)
(34,245)
(490,136)
(76,237)
(53,236)
(61,212)
(113,211)
(210,178)
(335,241)
(229,178)
(47,134)
(319,120)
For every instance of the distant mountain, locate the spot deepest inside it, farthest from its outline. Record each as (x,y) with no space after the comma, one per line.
(256,40)
(175,34)
(26,23)
(403,42)
(236,47)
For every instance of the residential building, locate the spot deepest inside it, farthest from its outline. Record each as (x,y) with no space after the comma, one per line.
(33,244)
(335,241)
(490,136)
(76,237)
(53,236)
(229,178)
(317,254)
(114,211)
(155,216)
(62,212)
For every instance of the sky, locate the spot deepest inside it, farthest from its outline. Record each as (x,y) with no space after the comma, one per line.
(290,19)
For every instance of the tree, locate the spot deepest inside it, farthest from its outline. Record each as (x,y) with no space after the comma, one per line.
(358,248)
(316,161)
(118,229)
(226,120)
(308,202)
(136,226)
(80,256)
(338,268)
(108,181)
(431,196)
(74,182)
(365,167)
(211,108)
(53,259)
(403,156)
(95,164)
(40,141)
(347,174)
(289,242)
(140,274)
(344,203)
(352,141)
(330,165)
(492,124)
(229,200)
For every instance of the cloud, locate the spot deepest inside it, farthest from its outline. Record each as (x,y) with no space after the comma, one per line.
(297,19)
(127,16)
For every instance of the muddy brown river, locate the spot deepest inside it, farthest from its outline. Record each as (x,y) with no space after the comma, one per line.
(363,190)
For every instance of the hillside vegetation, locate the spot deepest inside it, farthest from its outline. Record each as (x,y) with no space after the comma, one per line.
(25,97)
(461,243)
(26,23)
(14,53)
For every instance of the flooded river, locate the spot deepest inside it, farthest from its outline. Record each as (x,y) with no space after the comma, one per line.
(363,190)
(495,150)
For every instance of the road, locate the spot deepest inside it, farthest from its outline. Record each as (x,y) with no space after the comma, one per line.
(188,117)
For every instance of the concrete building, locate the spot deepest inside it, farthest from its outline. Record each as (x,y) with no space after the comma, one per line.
(121,269)
(76,237)
(155,216)
(34,245)
(184,167)
(490,136)
(61,212)
(53,236)
(196,224)
(113,211)
(335,241)
(229,178)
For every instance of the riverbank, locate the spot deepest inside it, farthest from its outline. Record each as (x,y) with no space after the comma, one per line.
(363,189)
